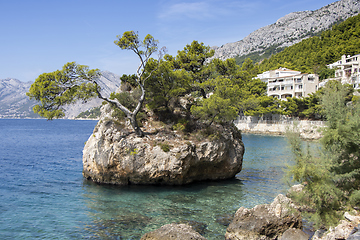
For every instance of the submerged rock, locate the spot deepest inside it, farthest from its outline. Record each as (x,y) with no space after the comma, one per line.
(267,221)
(115,155)
(174,232)
(294,234)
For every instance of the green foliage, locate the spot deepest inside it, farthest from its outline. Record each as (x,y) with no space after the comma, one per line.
(311,55)
(260,55)
(342,137)
(130,41)
(182,125)
(331,177)
(192,59)
(135,151)
(326,73)
(214,109)
(307,107)
(165,147)
(210,132)
(263,105)
(355,198)
(92,113)
(63,87)
(128,82)
(128,99)
(165,84)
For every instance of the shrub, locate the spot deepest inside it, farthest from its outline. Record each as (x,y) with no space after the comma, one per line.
(165,147)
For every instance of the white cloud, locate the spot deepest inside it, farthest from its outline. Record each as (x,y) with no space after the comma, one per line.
(210,9)
(188,10)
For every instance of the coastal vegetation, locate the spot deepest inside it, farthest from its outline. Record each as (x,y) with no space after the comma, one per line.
(331,175)
(179,90)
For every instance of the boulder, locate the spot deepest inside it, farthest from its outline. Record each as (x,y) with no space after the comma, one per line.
(267,221)
(355,233)
(113,154)
(294,234)
(346,229)
(173,232)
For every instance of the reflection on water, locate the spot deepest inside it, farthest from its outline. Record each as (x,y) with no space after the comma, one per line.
(127,212)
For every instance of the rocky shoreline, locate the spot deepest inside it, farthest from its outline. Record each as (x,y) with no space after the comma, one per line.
(279,220)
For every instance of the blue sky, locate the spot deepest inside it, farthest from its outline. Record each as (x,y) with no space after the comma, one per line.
(40,36)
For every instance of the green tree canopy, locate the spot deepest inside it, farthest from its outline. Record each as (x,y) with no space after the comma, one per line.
(63,87)
(77,82)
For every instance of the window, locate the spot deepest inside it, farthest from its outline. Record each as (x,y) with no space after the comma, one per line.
(300,86)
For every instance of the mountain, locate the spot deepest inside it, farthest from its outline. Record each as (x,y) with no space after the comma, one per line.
(290,29)
(13,100)
(15,104)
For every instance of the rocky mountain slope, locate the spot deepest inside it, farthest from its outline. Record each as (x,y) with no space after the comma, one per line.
(290,29)
(15,104)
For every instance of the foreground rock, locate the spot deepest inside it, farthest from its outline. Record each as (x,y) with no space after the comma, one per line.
(173,232)
(267,221)
(115,155)
(348,229)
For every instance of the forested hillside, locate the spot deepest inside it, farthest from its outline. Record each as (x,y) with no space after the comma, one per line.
(312,55)
(287,31)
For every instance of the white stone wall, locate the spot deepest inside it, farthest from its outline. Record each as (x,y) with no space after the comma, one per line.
(307,129)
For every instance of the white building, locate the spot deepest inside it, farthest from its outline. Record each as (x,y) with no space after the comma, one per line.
(347,70)
(283,83)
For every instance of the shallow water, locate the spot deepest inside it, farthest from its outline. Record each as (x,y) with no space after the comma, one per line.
(44,196)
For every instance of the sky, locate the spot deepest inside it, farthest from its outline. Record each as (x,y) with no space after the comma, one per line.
(38,36)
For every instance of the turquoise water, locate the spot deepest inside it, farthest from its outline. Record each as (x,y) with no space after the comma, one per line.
(44,196)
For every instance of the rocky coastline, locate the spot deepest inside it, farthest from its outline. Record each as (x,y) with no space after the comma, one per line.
(280,220)
(113,154)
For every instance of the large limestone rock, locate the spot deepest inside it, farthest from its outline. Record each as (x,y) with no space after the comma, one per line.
(114,155)
(267,221)
(173,232)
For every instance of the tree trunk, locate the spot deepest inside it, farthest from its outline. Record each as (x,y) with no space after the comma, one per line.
(135,126)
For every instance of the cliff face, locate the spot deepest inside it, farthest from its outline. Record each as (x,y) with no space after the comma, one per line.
(13,100)
(114,155)
(290,29)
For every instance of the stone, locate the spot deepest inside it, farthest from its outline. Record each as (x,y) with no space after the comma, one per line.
(346,229)
(295,189)
(294,234)
(267,221)
(351,218)
(355,233)
(115,155)
(173,232)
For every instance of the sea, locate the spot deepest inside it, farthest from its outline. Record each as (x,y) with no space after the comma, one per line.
(43,194)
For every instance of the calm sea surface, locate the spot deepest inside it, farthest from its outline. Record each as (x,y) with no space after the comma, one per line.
(44,196)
